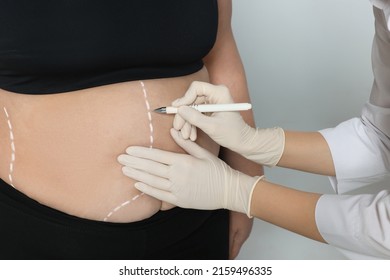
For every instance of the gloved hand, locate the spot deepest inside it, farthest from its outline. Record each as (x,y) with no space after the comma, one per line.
(198,180)
(228,129)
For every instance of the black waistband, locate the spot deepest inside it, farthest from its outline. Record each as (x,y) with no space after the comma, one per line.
(12,198)
(30,230)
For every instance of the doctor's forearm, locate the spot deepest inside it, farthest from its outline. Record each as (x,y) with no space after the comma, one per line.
(287,208)
(307,151)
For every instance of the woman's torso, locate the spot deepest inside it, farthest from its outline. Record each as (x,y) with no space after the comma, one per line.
(61,149)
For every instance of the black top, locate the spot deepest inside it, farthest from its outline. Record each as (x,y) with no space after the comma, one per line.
(64,45)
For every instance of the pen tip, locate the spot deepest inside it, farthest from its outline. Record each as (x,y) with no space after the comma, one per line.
(161,110)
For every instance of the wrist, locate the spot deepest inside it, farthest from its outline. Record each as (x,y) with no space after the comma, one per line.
(240,192)
(252,189)
(266,146)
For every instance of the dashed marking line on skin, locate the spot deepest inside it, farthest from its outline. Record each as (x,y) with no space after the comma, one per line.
(13,150)
(116,209)
(151,142)
(149,113)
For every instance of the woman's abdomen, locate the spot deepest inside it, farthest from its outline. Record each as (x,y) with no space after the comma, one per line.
(62,149)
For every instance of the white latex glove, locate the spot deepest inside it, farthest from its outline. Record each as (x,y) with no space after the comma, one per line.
(198,180)
(228,129)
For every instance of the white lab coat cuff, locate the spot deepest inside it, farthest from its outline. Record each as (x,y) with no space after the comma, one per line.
(358,155)
(356,223)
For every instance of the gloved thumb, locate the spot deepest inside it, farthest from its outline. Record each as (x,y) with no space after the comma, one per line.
(189,146)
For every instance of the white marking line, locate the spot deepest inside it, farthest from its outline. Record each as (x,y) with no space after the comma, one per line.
(147,104)
(122,205)
(151,142)
(13,150)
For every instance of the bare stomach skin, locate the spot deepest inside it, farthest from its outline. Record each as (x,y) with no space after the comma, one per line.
(61,149)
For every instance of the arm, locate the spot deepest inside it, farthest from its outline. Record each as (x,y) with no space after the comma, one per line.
(359,223)
(225,67)
(307,151)
(355,148)
(287,208)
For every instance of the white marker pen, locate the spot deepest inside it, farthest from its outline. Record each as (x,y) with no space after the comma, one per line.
(206,108)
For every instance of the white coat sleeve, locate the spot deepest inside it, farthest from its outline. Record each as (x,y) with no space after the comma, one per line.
(360,153)
(357,218)
(384,5)
(357,223)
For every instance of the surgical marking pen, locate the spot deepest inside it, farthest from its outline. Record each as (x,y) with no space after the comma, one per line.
(208,108)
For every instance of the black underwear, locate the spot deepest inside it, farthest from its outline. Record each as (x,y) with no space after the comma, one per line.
(30,230)
(50,47)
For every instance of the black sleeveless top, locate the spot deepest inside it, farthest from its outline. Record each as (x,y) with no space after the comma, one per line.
(64,45)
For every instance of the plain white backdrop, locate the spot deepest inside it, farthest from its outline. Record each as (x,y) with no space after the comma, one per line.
(308,67)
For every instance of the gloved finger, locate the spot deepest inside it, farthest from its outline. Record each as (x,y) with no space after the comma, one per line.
(151,180)
(194,133)
(213,93)
(192,95)
(178,122)
(190,147)
(186,130)
(150,166)
(196,118)
(157,193)
(206,91)
(157,155)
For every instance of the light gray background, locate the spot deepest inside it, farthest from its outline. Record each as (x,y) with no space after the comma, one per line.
(308,67)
